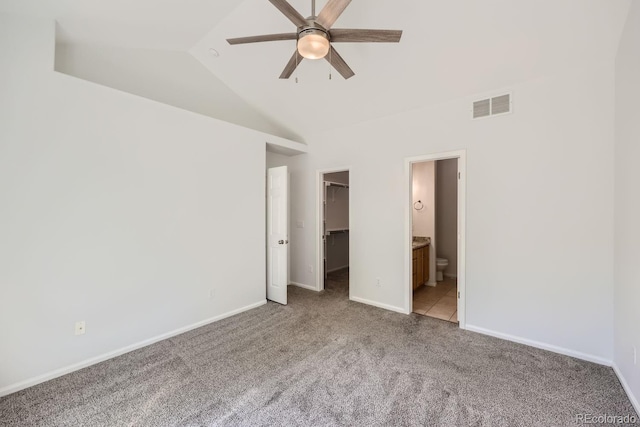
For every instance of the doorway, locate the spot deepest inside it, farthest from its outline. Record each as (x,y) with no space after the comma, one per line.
(435,236)
(333,230)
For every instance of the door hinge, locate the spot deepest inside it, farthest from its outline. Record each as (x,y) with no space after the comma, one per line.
(458,294)
(458,175)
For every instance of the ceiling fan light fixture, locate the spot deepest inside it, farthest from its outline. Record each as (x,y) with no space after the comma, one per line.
(315,36)
(313,44)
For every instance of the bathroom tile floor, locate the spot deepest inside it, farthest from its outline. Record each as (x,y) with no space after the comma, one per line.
(440,301)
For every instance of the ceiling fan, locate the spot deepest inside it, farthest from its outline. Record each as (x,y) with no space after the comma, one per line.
(315,36)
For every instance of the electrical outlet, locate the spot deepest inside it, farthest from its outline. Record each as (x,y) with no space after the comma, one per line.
(378,282)
(80,327)
(300,224)
(310,268)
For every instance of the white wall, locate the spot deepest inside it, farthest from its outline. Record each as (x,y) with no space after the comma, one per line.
(275,160)
(539,234)
(447,213)
(424,177)
(627,205)
(116,210)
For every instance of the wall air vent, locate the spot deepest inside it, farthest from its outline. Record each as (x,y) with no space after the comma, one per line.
(482,108)
(492,106)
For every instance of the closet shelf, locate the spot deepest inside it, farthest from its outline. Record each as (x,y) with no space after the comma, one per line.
(335,184)
(337,230)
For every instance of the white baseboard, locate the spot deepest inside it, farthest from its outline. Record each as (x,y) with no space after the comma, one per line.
(626,388)
(379,305)
(541,345)
(110,355)
(302,285)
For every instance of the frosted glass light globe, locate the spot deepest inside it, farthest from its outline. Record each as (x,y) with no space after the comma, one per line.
(313,45)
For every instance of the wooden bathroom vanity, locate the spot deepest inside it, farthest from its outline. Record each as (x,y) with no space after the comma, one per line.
(420,263)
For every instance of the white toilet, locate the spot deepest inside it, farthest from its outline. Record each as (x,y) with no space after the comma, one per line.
(441,266)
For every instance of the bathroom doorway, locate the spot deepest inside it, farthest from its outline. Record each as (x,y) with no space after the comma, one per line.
(333,230)
(435,236)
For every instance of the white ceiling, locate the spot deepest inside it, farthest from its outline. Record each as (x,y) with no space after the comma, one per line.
(171,77)
(155,24)
(450,48)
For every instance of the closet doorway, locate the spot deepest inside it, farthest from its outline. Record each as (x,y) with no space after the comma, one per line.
(333,231)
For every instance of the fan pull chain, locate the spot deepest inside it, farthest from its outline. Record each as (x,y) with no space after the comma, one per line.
(296,64)
(330,63)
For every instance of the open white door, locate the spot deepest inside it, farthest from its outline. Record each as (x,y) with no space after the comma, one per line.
(277,234)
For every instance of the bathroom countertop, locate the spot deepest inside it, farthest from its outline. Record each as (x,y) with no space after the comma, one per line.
(421,242)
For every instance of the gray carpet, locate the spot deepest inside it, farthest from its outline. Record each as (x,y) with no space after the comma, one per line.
(323,360)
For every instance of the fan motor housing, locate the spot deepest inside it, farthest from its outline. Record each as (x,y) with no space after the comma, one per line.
(313,27)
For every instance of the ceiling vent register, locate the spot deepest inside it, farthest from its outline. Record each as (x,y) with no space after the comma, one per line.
(495,106)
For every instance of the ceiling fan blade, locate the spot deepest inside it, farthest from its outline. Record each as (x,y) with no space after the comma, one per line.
(343,35)
(264,38)
(339,64)
(288,11)
(331,12)
(293,63)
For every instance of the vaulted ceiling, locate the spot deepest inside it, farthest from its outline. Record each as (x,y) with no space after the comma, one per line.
(449,49)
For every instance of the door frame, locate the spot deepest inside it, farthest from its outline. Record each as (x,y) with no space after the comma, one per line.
(319,212)
(461,155)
